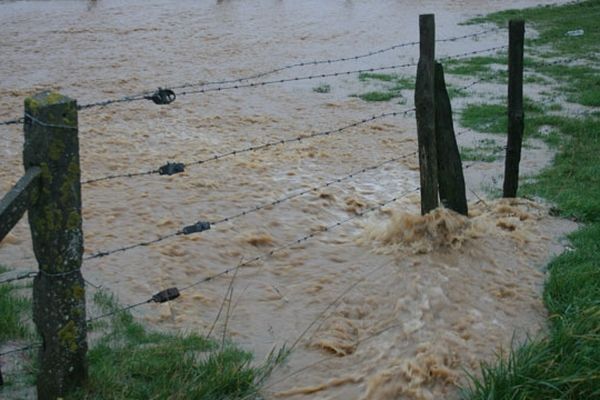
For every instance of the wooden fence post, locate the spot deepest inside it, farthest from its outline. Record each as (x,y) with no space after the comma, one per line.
(425,110)
(51,143)
(450,173)
(516,117)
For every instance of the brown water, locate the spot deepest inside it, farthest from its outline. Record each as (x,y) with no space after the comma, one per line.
(440,294)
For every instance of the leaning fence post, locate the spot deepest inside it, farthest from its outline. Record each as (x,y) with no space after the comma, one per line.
(516,117)
(51,143)
(425,110)
(450,172)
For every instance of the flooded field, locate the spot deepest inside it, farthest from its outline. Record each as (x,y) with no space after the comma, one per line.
(403,304)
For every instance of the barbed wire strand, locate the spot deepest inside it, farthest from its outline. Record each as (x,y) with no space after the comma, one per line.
(279,142)
(328,61)
(12,121)
(149,96)
(160,296)
(250,210)
(331,74)
(144,95)
(19,277)
(271,82)
(21,349)
(312,189)
(305,238)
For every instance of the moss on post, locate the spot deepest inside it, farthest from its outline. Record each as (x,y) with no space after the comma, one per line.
(51,143)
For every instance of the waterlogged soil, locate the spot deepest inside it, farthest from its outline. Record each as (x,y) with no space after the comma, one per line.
(387,305)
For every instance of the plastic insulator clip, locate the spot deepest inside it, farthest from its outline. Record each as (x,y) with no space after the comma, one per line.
(162,96)
(166,295)
(171,168)
(200,226)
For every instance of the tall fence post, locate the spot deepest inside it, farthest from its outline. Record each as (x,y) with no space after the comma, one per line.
(450,173)
(51,143)
(425,110)
(516,117)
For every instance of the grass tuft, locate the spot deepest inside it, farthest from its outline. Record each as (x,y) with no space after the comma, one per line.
(13,309)
(322,88)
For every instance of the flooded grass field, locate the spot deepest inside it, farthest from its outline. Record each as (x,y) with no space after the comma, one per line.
(404,304)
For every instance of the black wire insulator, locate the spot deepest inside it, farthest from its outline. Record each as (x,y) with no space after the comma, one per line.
(171,168)
(166,295)
(162,96)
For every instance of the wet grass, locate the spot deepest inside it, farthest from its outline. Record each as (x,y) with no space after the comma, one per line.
(487,150)
(130,362)
(14,308)
(565,364)
(492,118)
(322,88)
(490,68)
(392,86)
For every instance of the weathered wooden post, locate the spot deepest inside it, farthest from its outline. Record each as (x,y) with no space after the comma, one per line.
(425,110)
(516,117)
(51,143)
(450,173)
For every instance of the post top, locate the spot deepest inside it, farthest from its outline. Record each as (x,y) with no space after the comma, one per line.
(46,98)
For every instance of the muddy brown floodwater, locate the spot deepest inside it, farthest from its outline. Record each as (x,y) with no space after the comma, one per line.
(430,297)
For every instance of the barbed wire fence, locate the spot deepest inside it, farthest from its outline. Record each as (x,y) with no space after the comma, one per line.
(164,96)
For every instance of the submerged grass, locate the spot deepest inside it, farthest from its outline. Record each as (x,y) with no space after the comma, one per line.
(566,363)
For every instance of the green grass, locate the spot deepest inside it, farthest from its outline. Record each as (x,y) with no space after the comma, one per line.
(454,92)
(492,118)
(565,364)
(322,88)
(480,67)
(14,308)
(487,150)
(365,76)
(379,95)
(573,182)
(130,362)
(392,87)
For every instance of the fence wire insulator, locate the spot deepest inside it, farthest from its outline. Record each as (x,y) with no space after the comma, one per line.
(171,168)
(166,295)
(199,226)
(162,96)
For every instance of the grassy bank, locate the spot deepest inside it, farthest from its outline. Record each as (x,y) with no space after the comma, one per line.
(130,362)
(566,363)
(127,361)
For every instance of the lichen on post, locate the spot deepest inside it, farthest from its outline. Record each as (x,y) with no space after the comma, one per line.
(51,143)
